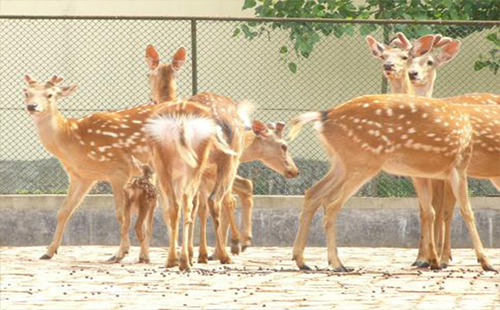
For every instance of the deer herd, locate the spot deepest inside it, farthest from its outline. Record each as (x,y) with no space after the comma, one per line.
(186,152)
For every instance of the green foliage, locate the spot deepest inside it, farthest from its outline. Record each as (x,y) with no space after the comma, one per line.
(492,59)
(304,36)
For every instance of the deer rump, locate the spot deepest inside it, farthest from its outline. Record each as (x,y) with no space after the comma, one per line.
(186,134)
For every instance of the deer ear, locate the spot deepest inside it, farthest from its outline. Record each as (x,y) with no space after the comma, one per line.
(67,90)
(260,129)
(422,46)
(152,57)
(179,58)
(448,52)
(376,47)
(137,163)
(280,126)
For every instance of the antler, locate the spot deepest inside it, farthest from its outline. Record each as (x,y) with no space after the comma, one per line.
(53,81)
(440,41)
(401,41)
(29,80)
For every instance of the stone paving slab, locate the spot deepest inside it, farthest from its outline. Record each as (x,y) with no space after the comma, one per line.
(261,278)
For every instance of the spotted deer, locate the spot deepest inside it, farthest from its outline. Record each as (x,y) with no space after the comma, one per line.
(140,198)
(401,134)
(264,143)
(188,140)
(420,78)
(96,147)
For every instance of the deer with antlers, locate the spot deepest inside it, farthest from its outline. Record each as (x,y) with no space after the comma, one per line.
(96,147)
(264,143)
(401,134)
(412,69)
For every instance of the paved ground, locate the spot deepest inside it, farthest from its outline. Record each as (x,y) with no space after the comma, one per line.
(261,278)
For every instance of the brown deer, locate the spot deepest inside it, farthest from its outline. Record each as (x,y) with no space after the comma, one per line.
(417,75)
(96,147)
(264,143)
(140,197)
(405,135)
(187,140)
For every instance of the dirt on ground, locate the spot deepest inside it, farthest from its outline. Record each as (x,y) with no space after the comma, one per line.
(79,277)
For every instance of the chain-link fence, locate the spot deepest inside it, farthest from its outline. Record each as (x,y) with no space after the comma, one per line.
(105,56)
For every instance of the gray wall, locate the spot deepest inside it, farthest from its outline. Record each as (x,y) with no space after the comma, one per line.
(372,222)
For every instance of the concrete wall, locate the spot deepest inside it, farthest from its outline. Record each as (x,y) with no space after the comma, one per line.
(372,222)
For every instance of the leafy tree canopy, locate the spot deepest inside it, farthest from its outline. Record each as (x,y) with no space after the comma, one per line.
(303,36)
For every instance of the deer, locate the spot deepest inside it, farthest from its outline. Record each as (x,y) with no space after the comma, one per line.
(401,134)
(140,197)
(242,187)
(93,148)
(188,139)
(264,143)
(420,78)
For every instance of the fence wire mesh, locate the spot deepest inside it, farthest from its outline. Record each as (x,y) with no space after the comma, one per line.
(105,57)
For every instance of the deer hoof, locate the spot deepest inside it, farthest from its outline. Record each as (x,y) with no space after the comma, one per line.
(342,269)
(422,264)
(235,247)
(45,256)
(305,267)
(143,260)
(444,265)
(203,258)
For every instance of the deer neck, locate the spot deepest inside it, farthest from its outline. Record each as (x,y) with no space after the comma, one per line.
(52,130)
(250,148)
(402,85)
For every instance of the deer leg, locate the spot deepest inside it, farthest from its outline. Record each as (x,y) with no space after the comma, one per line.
(312,200)
(139,231)
(423,188)
(149,232)
(229,204)
(449,201)
(118,186)
(244,189)
(202,214)
(458,180)
(195,205)
(344,187)
(78,188)
(187,206)
(437,204)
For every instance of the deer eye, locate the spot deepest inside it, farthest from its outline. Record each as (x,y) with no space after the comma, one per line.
(49,96)
(404,57)
(430,63)
(284,147)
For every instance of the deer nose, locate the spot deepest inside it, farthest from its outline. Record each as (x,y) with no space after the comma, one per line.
(388,67)
(31,107)
(413,74)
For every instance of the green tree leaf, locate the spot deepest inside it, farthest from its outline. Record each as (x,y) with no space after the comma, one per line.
(293,67)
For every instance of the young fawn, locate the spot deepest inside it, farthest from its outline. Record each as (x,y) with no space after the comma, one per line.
(96,147)
(405,135)
(417,75)
(140,197)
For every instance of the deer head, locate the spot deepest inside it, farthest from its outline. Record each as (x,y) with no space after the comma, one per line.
(162,75)
(270,147)
(422,70)
(41,99)
(395,60)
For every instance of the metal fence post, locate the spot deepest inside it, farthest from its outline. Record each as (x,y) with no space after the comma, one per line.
(194,55)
